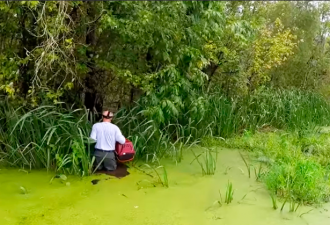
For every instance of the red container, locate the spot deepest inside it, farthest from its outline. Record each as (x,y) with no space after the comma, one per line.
(125,152)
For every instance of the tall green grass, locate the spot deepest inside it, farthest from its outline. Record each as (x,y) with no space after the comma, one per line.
(153,127)
(55,138)
(46,137)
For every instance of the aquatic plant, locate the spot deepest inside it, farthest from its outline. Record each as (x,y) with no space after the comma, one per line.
(227,169)
(48,137)
(258,172)
(274,201)
(61,177)
(294,206)
(163,180)
(248,166)
(304,213)
(283,204)
(33,137)
(208,164)
(216,116)
(302,181)
(229,193)
(219,201)
(23,190)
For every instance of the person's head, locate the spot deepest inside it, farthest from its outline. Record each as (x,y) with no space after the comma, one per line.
(107,116)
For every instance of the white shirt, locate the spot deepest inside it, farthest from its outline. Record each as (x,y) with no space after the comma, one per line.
(106,135)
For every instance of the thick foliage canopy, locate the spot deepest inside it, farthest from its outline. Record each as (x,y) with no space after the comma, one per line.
(110,53)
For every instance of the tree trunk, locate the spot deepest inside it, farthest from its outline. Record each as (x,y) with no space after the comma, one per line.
(28,43)
(93,100)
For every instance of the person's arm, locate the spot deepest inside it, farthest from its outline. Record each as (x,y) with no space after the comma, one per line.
(93,133)
(119,137)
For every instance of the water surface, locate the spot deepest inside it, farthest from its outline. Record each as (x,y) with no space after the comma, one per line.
(134,200)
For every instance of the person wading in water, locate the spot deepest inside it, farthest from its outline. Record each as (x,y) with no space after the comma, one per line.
(106,135)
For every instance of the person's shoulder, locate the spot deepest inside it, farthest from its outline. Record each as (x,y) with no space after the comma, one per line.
(96,125)
(114,125)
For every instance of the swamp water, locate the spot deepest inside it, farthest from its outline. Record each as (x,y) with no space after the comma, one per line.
(30,199)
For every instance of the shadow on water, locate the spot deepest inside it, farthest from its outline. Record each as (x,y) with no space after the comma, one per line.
(120,172)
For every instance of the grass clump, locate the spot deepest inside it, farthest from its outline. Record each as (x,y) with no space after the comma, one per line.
(160,177)
(229,193)
(229,197)
(48,137)
(301,181)
(208,164)
(294,166)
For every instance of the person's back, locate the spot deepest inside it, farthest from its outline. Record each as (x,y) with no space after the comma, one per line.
(106,135)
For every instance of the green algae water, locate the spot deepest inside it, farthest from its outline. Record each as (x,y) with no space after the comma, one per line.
(29,198)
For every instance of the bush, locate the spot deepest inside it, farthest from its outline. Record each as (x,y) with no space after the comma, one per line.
(303,181)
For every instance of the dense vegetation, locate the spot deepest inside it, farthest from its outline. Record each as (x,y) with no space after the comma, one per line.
(177,72)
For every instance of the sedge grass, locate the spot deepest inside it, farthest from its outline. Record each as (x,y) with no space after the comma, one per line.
(229,193)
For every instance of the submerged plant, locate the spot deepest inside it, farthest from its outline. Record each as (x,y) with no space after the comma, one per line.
(220,199)
(227,169)
(63,178)
(23,190)
(306,212)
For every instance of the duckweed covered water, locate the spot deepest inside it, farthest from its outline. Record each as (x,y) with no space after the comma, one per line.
(29,198)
